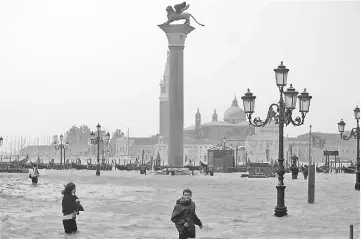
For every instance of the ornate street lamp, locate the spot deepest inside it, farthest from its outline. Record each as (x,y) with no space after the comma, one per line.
(281,113)
(96,140)
(355,132)
(61,146)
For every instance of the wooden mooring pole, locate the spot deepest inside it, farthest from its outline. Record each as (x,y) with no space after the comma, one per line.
(351,231)
(311,174)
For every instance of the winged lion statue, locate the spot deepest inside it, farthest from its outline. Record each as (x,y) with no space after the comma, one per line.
(179,14)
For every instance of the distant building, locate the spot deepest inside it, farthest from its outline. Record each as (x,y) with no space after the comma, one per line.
(38,150)
(234,124)
(263,145)
(249,143)
(194,150)
(300,147)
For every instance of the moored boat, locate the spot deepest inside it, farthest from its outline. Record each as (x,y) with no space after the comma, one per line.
(349,169)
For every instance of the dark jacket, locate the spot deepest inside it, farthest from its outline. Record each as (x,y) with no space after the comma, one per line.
(70,205)
(185,211)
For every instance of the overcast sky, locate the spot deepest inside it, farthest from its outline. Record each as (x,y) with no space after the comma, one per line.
(87,61)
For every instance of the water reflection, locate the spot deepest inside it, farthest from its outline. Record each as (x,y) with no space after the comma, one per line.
(130,205)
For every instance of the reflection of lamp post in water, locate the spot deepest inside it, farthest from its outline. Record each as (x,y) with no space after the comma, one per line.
(355,132)
(96,140)
(281,113)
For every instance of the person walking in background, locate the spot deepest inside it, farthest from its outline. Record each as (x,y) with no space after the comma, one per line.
(34,174)
(71,207)
(184,216)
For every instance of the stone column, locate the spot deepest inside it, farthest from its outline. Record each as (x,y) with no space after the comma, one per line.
(176,35)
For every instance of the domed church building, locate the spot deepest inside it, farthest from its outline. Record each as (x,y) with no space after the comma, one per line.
(234,125)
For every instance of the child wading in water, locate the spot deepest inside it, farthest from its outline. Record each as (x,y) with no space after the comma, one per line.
(184,216)
(71,207)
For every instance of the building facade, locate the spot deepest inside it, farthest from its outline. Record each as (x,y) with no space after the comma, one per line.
(263,145)
(299,146)
(234,124)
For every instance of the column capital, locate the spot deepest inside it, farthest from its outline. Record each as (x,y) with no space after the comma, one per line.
(176,33)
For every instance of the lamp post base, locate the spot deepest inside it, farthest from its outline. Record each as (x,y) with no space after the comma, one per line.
(97,173)
(280,209)
(357,184)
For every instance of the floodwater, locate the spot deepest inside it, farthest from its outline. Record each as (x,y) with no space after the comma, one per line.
(121,204)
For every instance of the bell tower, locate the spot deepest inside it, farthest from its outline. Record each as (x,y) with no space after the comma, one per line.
(214,116)
(163,102)
(198,123)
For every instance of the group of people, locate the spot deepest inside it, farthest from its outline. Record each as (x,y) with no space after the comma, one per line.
(184,213)
(70,203)
(183,216)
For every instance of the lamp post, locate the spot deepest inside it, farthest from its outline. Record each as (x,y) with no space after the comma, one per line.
(282,116)
(236,148)
(355,132)
(145,153)
(61,146)
(96,140)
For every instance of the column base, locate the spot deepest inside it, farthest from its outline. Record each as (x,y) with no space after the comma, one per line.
(357,186)
(280,209)
(178,171)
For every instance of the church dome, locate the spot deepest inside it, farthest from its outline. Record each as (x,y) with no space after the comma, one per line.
(234,112)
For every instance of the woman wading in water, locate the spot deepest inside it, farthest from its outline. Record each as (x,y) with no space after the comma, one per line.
(71,207)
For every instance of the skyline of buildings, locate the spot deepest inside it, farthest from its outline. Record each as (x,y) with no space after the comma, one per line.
(248,142)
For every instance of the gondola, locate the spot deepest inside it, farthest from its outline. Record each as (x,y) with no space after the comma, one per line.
(350,170)
(78,166)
